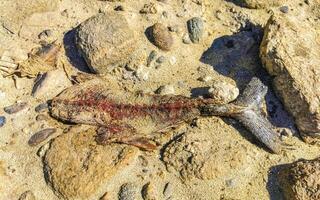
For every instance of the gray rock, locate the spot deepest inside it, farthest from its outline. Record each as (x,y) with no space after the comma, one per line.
(290,56)
(15,108)
(196,29)
(161,37)
(300,180)
(284,9)
(2,121)
(40,136)
(161,59)
(105,40)
(152,56)
(128,191)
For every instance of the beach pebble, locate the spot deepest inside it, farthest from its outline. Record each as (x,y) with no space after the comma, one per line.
(15,108)
(196,29)
(167,191)
(186,39)
(165,90)
(223,92)
(284,9)
(40,136)
(161,37)
(128,191)
(161,59)
(149,192)
(205,78)
(142,73)
(172,60)
(50,84)
(27,195)
(2,121)
(152,56)
(105,40)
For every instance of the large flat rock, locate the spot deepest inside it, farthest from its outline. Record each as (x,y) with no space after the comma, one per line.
(76,167)
(290,51)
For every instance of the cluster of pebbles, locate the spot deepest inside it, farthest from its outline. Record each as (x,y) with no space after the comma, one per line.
(75,167)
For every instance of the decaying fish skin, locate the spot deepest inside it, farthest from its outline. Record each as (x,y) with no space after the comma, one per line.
(130,118)
(42,60)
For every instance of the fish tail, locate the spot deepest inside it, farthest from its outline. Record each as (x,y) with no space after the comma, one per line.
(251,117)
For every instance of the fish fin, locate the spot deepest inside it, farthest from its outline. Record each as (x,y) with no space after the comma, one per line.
(125,134)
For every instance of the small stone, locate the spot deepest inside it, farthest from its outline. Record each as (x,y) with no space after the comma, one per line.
(167,191)
(231,183)
(41,117)
(119,8)
(161,37)
(43,149)
(149,9)
(284,9)
(45,34)
(186,39)
(50,84)
(2,121)
(105,40)
(128,191)
(27,195)
(142,73)
(40,136)
(15,108)
(172,60)
(151,57)
(223,92)
(165,14)
(205,79)
(41,107)
(148,192)
(165,90)
(196,29)
(161,59)
(65,13)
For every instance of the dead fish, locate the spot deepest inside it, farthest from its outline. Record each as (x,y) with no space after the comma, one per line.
(129,118)
(15,107)
(40,136)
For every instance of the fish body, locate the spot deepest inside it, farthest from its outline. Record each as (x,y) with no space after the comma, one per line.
(129,118)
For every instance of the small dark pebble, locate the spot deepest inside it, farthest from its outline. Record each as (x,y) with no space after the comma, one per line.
(44,34)
(152,56)
(161,59)
(119,8)
(40,136)
(2,121)
(41,117)
(15,108)
(41,107)
(284,9)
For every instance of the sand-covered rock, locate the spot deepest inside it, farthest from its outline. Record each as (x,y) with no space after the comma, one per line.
(258,4)
(300,180)
(203,154)
(105,40)
(76,167)
(290,51)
